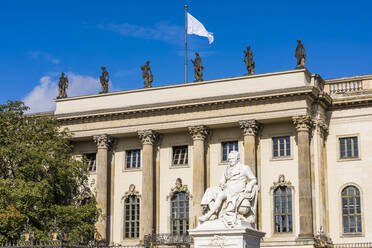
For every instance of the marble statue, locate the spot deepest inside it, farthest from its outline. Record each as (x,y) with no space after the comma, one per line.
(104,79)
(147,74)
(300,55)
(198,68)
(235,199)
(248,60)
(62,86)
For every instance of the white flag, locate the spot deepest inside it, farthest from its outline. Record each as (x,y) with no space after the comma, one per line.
(195,27)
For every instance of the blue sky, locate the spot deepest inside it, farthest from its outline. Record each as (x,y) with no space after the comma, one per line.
(40,39)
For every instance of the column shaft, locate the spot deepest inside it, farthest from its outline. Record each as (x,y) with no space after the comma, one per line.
(103,143)
(198,134)
(303,124)
(147,224)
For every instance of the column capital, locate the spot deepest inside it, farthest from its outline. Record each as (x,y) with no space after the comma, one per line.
(103,141)
(302,122)
(250,127)
(199,132)
(322,127)
(147,137)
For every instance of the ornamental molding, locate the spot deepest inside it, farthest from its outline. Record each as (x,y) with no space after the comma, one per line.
(187,106)
(179,187)
(302,122)
(147,137)
(282,182)
(198,132)
(103,141)
(131,192)
(250,127)
(322,127)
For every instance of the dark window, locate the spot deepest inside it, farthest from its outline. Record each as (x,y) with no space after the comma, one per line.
(283,210)
(349,147)
(91,158)
(133,159)
(180,155)
(351,210)
(180,213)
(131,217)
(228,147)
(281,147)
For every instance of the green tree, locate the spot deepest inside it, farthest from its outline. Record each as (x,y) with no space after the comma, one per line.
(40,181)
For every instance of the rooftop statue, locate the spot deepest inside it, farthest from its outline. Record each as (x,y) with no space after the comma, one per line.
(62,86)
(300,55)
(147,74)
(248,60)
(198,68)
(235,199)
(104,79)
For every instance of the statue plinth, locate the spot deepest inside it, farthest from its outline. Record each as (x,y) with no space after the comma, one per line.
(215,234)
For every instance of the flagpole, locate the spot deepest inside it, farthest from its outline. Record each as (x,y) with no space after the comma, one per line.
(185,44)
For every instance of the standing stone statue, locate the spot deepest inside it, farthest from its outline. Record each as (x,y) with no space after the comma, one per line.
(235,199)
(104,79)
(300,55)
(147,74)
(248,60)
(62,86)
(198,68)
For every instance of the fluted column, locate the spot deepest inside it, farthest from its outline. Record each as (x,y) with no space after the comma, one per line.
(103,144)
(250,129)
(147,138)
(198,133)
(303,124)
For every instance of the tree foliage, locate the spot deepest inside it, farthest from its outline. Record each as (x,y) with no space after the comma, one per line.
(40,182)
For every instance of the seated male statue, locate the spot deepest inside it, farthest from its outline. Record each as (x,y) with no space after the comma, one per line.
(235,199)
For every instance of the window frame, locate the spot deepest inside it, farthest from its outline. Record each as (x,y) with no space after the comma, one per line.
(137,220)
(338,138)
(221,149)
(126,159)
(88,153)
(286,214)
(186,218)
(362,209)
(290,147)
(173,165)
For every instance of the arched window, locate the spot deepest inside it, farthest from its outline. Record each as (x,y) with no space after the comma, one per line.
(282,194)
(180,213)
(351,210)
(131,213)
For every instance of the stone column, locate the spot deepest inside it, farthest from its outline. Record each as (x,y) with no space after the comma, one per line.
(198,133)
(303,124)
(250,130)
(103,144)
(147,224)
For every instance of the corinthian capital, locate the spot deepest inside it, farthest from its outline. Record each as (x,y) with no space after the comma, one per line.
(198,132)
(103,141)
(302,122)
(250,127)
(322,127)
(147,137)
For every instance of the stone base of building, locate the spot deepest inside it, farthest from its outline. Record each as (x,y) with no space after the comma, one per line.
(214,234)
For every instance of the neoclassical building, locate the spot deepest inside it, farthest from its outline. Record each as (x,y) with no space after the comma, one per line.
(154,151)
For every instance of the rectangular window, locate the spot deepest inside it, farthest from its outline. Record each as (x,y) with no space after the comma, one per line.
(133,159)
(281,147)
(180,155)
(91,158)
(349,147)
(228,147)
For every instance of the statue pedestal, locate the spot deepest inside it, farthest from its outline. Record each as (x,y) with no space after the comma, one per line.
(214,234)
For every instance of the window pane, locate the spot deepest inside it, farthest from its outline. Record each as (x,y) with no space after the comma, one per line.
(342,148)
(179,213)
(355,143)
(281,144)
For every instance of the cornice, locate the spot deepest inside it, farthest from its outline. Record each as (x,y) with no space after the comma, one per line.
(272,95)
(349,102)
(348,79)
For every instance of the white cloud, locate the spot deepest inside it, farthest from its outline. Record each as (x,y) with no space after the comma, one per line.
(45,56)
(41,98)
(162,31)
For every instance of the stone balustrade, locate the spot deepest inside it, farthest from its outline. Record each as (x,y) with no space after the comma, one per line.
(346,87)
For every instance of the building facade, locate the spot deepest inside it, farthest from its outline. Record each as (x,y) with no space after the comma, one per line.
(154,151)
